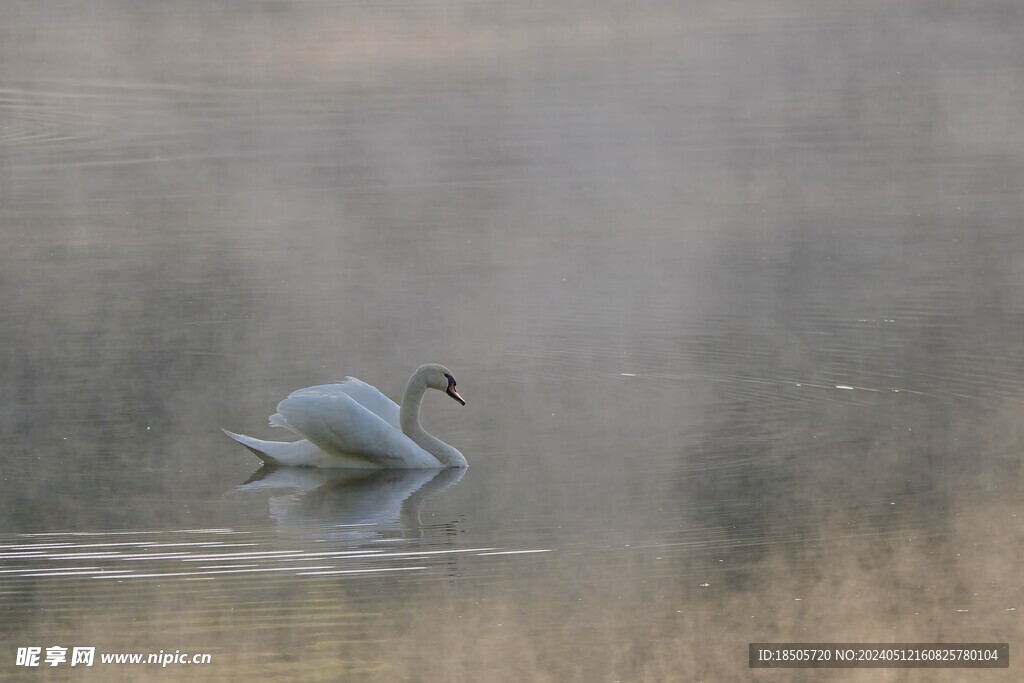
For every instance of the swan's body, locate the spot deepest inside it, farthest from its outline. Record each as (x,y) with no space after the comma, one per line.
(352,424)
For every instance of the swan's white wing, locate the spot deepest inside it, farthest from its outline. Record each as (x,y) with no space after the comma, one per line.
(364,394)
(339,424)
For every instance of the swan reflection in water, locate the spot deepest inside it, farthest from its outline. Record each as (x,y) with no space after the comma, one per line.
(350,504)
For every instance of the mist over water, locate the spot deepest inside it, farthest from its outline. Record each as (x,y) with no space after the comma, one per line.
(734,293)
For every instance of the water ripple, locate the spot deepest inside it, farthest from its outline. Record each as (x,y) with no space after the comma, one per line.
(53,560)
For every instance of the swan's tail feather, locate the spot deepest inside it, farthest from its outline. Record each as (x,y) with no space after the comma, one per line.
(258,447)
(299,453)
(277,420)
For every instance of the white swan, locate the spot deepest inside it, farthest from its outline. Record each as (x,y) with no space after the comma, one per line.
(351,424)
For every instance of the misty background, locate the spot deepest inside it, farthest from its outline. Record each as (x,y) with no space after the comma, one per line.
(733,291)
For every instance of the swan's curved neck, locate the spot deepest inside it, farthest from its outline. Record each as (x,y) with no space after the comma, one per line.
(409,418)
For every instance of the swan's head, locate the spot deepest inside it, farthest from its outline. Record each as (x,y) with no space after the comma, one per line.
(441,378)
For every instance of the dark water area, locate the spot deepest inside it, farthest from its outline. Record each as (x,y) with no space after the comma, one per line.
(734,293)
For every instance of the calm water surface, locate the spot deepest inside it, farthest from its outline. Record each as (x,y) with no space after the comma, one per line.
(735,295)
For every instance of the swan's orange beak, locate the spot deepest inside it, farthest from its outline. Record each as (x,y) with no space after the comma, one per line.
(454,394)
